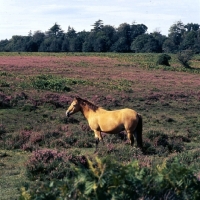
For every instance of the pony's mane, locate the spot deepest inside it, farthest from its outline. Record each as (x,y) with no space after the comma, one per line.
(90,105)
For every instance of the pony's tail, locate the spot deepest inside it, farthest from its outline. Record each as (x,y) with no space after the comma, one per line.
(139,131)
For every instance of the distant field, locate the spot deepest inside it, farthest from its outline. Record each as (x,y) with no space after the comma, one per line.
(36,89)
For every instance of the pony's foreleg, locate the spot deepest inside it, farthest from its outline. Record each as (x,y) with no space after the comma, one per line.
(101,138)
(98,137)
(130,137)
(97,142)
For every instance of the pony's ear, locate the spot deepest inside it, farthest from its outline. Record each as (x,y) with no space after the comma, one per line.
(77,98)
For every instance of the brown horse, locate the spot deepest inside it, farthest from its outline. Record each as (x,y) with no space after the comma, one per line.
(101,120)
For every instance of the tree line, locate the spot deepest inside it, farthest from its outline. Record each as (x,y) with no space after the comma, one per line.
(106,38)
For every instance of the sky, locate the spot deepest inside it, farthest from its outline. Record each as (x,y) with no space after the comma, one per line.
(19,17)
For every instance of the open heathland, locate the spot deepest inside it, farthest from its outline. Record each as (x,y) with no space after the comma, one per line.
(40,145)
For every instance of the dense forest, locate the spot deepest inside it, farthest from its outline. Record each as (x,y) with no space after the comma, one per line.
(106,38)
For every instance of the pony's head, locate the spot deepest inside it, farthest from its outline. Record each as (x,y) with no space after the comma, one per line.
(74,107)
(79,104)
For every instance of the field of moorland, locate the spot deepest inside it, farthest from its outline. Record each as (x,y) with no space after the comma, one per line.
(44,154)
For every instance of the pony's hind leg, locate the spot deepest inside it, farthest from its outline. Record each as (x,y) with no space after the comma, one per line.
(130,137)
(138,132)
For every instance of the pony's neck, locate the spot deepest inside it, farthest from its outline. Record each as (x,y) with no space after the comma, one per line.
(86,111)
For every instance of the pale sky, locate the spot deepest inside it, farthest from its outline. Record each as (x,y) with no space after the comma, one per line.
(18,17)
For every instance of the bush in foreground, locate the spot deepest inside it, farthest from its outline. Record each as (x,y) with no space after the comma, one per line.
(108,179)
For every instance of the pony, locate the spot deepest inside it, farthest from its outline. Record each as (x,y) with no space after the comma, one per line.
(111,122)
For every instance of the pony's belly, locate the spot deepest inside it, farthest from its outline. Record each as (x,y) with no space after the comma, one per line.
(113,130)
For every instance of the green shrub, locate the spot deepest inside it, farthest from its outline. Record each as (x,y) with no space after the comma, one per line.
(49,82)
(189,158)
(163,59)
(173,179)
(184,57)
(109,179)
(53,83)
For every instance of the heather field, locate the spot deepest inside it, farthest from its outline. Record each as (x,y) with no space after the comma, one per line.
(41,148)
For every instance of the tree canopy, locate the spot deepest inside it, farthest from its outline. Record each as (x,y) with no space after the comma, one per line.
(106,38)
